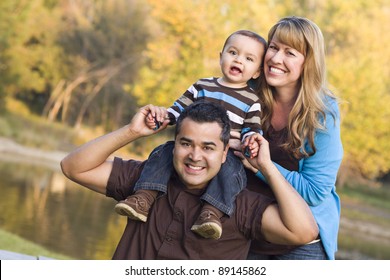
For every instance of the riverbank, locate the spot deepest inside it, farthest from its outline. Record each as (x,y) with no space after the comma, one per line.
(11,151)
(17,248)
(14,152)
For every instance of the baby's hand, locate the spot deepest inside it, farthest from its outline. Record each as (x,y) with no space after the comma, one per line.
(157,117)
(150,121)
(251,147)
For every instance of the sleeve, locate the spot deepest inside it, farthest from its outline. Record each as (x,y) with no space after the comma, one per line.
(124,175)
(252,122)
(318,173)
(249,213)
(186,99)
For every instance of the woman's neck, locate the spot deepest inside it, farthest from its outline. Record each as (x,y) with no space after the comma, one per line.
(284,102)
(286,96)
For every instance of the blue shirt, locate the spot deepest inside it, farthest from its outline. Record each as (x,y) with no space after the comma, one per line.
(315,181)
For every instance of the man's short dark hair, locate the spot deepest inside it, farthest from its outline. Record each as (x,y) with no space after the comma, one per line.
(206,112)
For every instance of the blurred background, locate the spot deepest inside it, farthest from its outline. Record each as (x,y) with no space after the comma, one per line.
(71,70)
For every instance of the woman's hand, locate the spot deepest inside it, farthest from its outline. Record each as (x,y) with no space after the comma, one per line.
(245,162)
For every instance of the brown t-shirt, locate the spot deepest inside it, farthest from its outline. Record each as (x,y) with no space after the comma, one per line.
(167,233)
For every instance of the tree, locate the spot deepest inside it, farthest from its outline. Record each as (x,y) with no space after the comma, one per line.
(30,50)
(102,41)
(358,62)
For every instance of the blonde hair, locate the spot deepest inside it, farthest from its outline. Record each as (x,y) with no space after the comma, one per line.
(305,116)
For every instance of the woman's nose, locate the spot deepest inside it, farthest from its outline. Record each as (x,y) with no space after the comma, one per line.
(277,57)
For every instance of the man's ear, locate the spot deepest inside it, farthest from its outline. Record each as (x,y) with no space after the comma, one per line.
(225,152)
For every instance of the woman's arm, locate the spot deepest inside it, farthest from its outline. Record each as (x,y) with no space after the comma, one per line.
(290,221)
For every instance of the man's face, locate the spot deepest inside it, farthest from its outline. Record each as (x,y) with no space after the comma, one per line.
(198,153)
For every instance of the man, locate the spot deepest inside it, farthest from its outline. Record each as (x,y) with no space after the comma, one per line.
(201,145)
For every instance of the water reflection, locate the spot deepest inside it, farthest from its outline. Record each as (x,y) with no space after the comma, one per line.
(39,204)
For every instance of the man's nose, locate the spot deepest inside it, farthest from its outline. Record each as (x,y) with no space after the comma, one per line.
(195,154)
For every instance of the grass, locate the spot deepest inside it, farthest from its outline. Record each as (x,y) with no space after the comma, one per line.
(366,250)
(377,197)
(368,206)
(31,130)
(14,243)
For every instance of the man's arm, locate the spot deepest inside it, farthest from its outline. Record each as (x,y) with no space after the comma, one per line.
(89,166)
(289,222)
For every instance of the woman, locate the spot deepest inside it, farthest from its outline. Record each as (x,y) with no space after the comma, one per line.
(301,122)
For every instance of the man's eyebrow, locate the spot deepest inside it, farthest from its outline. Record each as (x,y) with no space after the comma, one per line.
(185,139)
(209,143)
(204,143)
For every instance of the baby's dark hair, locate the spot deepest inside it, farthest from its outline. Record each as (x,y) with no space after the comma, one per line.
(206,112)
(249,34)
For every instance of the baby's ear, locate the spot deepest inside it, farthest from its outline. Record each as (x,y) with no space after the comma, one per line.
(257,74)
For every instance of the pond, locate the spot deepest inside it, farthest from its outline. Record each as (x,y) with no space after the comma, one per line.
(39,204)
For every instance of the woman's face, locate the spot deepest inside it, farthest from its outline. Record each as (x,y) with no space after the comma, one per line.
(283,66)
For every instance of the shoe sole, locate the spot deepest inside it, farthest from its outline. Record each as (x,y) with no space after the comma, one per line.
(208,230)
(126,210)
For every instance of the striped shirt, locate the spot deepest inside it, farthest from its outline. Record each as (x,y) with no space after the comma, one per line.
(242,104)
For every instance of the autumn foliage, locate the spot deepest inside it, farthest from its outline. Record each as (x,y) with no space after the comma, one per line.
(93,62)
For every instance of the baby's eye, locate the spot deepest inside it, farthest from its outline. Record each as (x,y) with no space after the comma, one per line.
(250,59)
(233,52)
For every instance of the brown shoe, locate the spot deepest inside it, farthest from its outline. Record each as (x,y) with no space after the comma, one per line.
(137,206)
(208,224)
